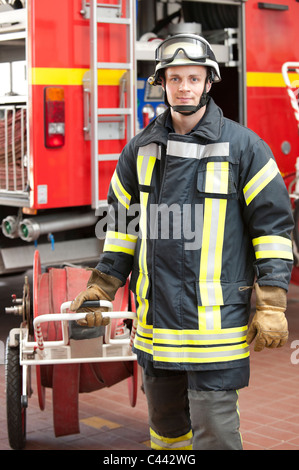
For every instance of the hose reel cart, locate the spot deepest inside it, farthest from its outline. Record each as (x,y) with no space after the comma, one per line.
(68,358)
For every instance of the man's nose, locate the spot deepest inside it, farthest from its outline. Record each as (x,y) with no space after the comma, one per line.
(184,84)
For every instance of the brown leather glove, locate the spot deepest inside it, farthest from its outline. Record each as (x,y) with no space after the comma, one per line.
(269,325)
(100,286)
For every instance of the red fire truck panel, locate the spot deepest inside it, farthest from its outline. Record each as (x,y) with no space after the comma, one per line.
(271,38)
(59,56)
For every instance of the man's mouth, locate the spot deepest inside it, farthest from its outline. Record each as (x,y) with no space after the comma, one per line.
(184,100)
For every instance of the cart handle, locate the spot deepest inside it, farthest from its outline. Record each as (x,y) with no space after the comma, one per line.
(80,315)
(65,317)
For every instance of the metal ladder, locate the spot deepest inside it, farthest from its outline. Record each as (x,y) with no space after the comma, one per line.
(108,123)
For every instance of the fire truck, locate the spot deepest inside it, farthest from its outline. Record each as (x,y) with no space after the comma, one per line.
(74,90)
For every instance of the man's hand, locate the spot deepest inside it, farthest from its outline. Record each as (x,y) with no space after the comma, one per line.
(100,286)
(94,315)
(269,326)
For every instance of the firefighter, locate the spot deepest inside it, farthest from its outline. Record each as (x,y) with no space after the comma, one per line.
(214,225)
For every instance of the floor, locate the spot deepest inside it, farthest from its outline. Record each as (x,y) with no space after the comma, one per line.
(269,407)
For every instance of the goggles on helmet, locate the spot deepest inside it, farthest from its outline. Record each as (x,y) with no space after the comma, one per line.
(184,49)
(193,47)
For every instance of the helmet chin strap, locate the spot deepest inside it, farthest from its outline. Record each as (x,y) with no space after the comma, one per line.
(187,110)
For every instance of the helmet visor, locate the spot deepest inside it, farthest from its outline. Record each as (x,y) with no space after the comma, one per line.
(194,48)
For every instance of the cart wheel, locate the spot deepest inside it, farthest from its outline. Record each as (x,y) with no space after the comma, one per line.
(41,391)
(15,409)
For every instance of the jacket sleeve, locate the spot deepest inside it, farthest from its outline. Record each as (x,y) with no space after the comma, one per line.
(268,215)
(122,224)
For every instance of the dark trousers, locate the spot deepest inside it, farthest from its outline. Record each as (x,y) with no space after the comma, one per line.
(194,410)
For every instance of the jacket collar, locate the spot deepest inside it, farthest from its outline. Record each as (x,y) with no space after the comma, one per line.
(209,127)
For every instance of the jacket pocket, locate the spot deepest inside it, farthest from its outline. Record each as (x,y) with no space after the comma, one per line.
(233,293)
(216,179)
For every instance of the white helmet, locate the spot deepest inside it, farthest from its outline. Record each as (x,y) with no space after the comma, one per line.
(185,49)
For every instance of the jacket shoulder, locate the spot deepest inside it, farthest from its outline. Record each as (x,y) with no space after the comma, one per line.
(239,131)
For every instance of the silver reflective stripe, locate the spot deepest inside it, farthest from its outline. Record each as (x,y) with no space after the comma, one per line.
(145,330)
(194,338)
(209,317)
(216,150)
(150,150)
(185,354)
(272,246)
(143,345)
(191,150)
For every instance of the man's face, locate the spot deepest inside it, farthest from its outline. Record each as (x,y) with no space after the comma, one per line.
(185,84)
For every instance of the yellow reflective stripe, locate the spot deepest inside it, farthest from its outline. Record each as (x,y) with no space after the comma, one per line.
(122,195)
(268,79)
(202,319)
(71,76)
(272,246)
(143,281)
(273,254)
(145,167)
(200,355)
(171,443)
(120,242)
(260,181)
(211,251)
(188,346)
